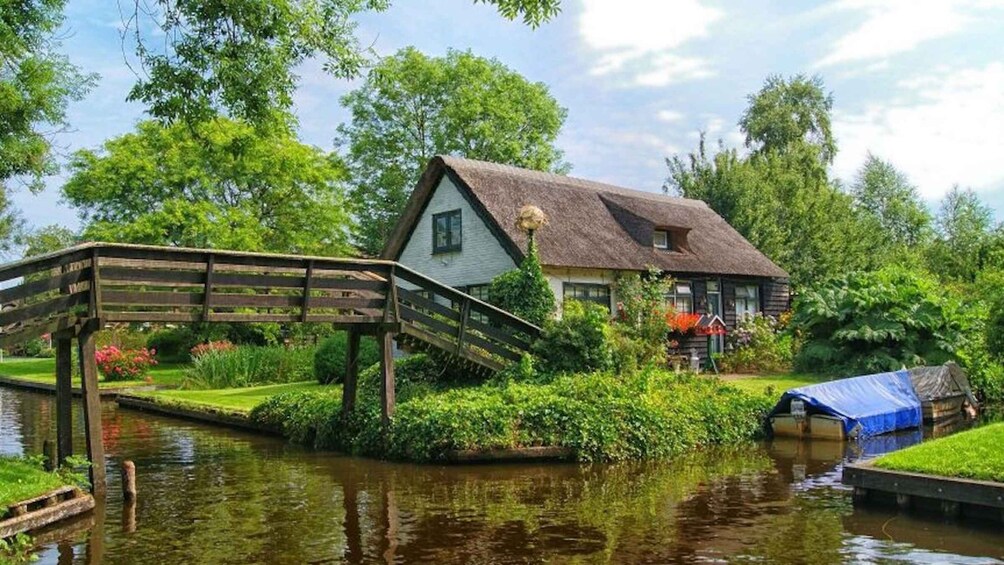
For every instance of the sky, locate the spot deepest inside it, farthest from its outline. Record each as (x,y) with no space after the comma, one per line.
(919,83)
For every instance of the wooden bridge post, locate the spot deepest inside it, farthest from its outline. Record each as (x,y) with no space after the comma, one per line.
(92,410)
(351,371)
(386,340)
(64,399)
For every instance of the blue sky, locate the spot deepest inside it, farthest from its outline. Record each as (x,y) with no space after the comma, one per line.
(919,83)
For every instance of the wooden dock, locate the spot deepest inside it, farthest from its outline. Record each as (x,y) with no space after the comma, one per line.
(55,506)
(950,497)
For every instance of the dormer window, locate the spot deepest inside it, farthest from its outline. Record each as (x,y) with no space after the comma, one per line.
(662,240)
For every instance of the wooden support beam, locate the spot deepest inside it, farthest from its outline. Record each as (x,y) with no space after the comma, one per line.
(386,341)
(95,291)
(465,314)
(351,372)
(308,285)
(92,410)
(64,399)
(207,294)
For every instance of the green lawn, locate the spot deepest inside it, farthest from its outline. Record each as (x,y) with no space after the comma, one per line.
(240,400)
(44,371)
(21,480)
(777,383)
(974,454)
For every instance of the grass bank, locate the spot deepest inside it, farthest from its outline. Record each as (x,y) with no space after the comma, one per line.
(21,479)
(773,385)
(974,454)
(44,371)
(600,416)
(238,401)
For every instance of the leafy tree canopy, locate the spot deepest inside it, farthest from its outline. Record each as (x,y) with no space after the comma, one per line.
(892,202)
(967,238)
(222,184)
(47,239)
(238,58)
(786,116)
(413,107)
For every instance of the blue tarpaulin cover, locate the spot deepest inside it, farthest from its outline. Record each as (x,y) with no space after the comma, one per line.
(868,405)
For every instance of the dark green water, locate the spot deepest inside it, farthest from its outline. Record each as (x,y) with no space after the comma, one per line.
(218,496)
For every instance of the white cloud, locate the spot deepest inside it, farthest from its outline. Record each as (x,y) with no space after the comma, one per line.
(636,39)
(943,129)
(891,27)
(669,116)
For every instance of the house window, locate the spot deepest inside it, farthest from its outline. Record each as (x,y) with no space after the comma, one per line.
(661,240)
(747,300)
(585,292)
(446,232)
(681,297)
(479,291)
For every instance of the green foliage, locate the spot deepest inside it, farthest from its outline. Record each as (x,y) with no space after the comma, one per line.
(879,321)
(197,55)
(329,359)
(221,184)
(601,416)
(759,345)
(785,116)
(579,341)
(995,330)
(892,202)
(412,107)
(36,85)
(172,345)
(525,291)
(16,550)
(247,366)
(46,240)
(640,326)
(967,237)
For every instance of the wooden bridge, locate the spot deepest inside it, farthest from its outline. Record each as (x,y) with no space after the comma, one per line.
(74,293)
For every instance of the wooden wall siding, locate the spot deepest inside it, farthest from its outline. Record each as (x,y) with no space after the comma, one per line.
(122,283)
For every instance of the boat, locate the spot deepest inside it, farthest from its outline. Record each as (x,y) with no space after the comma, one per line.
(871,405)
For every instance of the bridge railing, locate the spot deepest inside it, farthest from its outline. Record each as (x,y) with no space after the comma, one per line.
(138,283)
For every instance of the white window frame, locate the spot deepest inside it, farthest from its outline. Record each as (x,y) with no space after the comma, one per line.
(749,303)
(662,235)
(681,292)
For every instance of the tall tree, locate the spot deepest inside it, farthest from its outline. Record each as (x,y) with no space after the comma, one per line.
(36,84)
(888,197)
(779,196)
(966,236)
(47,239)
(201,58)
(786,116)
(222,184)
(413,107)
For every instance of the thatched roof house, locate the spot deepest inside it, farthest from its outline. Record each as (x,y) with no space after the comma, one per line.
(460,227)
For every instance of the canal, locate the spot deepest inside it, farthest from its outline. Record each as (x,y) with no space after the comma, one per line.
(209,495)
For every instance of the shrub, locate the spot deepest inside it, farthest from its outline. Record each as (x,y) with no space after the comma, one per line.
(249,365)
(578,342)
(524,291)
(872,322)
(601,416)
(173,344)
(123,364)
(757,345)
(122,337)
(211,346)
(642,312)
(994,332)
(329,360)
(34,347)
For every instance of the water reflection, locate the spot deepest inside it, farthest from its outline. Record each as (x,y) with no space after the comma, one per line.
(217,496)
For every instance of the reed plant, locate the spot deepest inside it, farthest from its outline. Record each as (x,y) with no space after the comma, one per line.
(248,365)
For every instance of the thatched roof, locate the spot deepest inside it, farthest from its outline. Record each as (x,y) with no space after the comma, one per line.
(590,224)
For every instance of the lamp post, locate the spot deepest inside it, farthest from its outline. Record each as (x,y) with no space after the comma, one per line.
(529,220)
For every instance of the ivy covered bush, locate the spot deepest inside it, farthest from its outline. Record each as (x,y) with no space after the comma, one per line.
(524,291)
(878,321)
(578,342)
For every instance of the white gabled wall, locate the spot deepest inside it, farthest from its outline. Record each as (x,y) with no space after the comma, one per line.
(481,257)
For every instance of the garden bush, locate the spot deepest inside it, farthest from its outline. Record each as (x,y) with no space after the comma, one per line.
(879,321)
(123,364)
(172,345)
(329,360)
(249,365)
(601,416)
(757,345)
(524,291)
(579,342)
